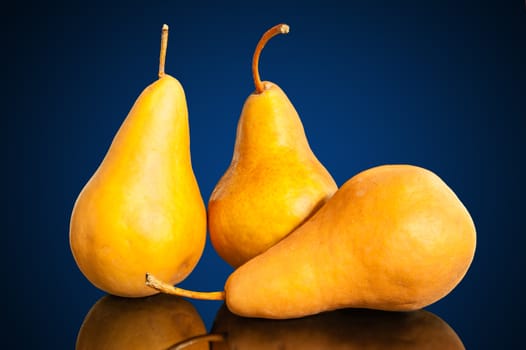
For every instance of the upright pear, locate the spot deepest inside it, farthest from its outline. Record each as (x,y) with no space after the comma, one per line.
(393,237)
(142,209)
(274,181)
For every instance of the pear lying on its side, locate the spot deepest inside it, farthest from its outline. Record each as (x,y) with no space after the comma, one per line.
(393,237)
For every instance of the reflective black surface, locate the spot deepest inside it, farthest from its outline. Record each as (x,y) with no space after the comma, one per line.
(160,321)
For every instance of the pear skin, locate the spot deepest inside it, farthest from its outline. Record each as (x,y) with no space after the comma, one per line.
(340,329)
(154,322)
(274,181)
(142,210)
(394,237)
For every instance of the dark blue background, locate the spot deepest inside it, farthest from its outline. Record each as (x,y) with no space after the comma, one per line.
(440,84)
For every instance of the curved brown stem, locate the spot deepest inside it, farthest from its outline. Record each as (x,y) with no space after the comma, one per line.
(163,287)
(277,29)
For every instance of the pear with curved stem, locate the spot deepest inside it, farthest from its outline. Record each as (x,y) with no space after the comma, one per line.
(274,182)
(142,209)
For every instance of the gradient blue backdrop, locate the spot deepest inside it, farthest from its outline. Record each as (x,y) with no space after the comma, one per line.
(440,84)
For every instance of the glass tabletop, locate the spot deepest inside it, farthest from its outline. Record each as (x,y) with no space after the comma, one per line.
(169,322)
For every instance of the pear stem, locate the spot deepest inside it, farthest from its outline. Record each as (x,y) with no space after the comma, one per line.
(212,337)
(269,34)
(164,45)
(163,287)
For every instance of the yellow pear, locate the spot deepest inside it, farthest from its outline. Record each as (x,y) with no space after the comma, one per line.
(393,237)
(274,182)
(340,329)
(155,322)
(142,209)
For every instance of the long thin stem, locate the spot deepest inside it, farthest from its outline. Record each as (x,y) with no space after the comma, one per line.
(269,34)
(164,46)
(163,287)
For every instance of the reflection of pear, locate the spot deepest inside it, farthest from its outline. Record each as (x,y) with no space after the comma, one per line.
(341,329)
(274,181)
(142,210)
(154,322)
